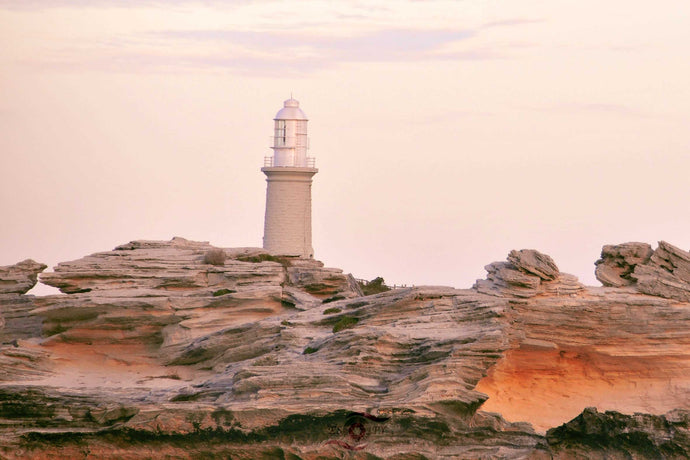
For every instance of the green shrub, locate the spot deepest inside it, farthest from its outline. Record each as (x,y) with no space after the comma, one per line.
(284,261)
(333,299)
(53,329)
(346,322)
(329,311)
(356,304)
(309,350)
(375,286)
(221,292)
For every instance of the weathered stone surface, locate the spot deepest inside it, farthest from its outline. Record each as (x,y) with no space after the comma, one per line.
(565,284)
(159,267)
(381,353)
(613,348)
(611,435)
(15,319)
(535,263)
(164,295)
(526,274)
(667,274)
(323,283)
(155,353)
(20,277)
(672,259)
(504,278)
(664,272)
(299,299)
(22,361)
(619,261)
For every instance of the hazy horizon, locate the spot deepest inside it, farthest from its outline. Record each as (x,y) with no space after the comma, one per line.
(446,133)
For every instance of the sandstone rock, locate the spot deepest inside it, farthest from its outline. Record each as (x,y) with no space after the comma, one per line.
(504,278)
(666,274)
(20,277)
(654,280)
(163,295)
(535,263)
(15,320)
(618,262)
(615,348)
(167,267)
(299,299)
(596,435)
(565,284)
(323,283)
(20,362)
(266,357)
(526,274)
(672,259)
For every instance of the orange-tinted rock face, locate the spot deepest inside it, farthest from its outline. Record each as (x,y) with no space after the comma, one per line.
(550,387)
(608,348)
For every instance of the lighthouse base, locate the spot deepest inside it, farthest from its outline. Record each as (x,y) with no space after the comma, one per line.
(287,223)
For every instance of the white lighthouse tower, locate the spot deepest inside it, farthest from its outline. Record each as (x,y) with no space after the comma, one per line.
(289,172)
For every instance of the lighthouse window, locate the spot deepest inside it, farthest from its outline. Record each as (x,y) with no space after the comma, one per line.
(280,133)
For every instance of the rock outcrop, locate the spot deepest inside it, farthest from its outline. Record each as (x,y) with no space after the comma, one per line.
(152,351)
(618,262)
(15,281)
(667,274)
(164,295)
(534,263)
(19,278)
(17,360)
(664,272)
(615,349)
(526,274)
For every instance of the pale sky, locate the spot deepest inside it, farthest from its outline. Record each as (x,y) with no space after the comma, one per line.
(446,132)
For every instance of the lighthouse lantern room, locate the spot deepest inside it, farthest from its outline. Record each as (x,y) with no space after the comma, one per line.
(290,141)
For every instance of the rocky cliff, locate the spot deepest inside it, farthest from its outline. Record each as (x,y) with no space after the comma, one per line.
(178,349)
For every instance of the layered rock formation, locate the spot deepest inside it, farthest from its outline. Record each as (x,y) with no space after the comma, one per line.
(663,272)
(616,349)
(153,351)
(617,263)
(527,273)
(17,323)
(16,280)
(19,278)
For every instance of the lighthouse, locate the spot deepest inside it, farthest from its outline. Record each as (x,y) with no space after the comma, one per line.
(289,172)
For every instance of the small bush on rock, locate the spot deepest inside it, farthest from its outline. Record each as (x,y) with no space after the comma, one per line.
(215,257)
(284,261)
(375,286)
(346,322)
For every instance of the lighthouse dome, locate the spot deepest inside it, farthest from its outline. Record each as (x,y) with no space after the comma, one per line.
(290,111)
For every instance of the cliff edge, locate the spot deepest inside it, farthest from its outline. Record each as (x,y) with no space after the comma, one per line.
(177,349)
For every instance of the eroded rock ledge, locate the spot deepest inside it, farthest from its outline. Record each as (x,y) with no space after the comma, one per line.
(663,272)
(527,273)
(152,351)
